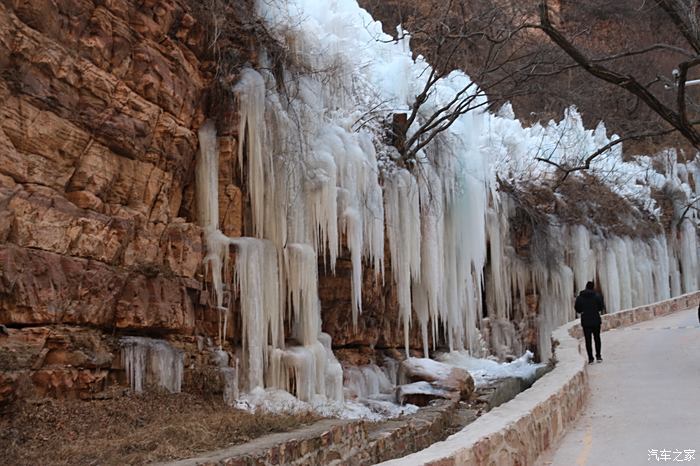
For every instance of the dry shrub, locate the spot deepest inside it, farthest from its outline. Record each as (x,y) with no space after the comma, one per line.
(581,199)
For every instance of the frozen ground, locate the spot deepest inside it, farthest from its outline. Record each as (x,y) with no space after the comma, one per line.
(644,396)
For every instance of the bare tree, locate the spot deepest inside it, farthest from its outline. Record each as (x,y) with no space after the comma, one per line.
(495,31)
(680,114)
(517,50)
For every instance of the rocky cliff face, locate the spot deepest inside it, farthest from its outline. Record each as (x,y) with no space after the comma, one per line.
(101,102)
(101,106)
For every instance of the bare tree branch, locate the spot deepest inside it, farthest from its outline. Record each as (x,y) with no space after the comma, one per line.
(626,82)
(690,205)
(587,162)
(671,9)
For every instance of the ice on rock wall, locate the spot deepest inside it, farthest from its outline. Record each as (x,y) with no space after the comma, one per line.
(582,257)
(403,230)
(250,93)
(257,280)
(320,176)
(441,216)
(687,251)
(632,272)
(207,173)
(150,362)
(273,278)
(367,381)
(207,195)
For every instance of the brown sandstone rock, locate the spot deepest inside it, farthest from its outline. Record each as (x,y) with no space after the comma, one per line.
(460,381)
(77,90)
(38,146)
(97,140)
(45,220)
(155,303)
(38,287)
(57,361)
(69,383)
(85,200)
(182,248)
(78,347)
(378,323)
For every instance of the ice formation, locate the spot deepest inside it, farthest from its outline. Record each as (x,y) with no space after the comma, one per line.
(484,370)
(152,362)
(421,388)
(270,278)
(365,382)
(320,177)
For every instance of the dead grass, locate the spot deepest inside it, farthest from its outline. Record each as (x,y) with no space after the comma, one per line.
(130,429)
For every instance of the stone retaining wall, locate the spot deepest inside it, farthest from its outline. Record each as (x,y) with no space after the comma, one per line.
(325,442)
(394,438)
(517,432)
(338,442)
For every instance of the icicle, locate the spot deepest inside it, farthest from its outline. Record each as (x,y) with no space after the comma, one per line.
(307,371)
(431,289)
(583,258)
(353,229)
(688,254)
(250,95)
(302,281)
(313,180)
(662,275)
(257,280)
(207,172)
(367,381)
(333,370)
(152,362)
(321,197)
(403,229)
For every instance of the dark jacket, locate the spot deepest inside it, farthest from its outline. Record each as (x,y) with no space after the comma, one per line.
(589,304)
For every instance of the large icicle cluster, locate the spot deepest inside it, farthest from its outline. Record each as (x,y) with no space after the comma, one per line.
(434,214)
(316,182)
(263,273)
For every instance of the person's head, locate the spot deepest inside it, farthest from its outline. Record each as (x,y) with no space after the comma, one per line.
(590,285)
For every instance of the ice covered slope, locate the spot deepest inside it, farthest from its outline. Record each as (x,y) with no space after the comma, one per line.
(312,139)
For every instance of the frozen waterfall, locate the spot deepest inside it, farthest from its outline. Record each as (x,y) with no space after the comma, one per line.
(320,178)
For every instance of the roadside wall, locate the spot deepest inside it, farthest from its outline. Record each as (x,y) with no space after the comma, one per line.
(517,432)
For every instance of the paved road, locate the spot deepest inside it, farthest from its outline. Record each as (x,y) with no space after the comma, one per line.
(645,395)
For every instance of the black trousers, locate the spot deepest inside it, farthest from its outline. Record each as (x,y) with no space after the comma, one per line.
(595,333)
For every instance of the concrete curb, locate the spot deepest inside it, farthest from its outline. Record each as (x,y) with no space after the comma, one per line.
(517,432)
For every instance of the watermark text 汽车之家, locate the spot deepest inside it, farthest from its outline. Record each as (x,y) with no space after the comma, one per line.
(671,455)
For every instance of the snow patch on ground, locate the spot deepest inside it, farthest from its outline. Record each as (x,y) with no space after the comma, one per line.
(487,370)
(428,368)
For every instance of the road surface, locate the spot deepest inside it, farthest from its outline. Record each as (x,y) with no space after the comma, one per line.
(645,395)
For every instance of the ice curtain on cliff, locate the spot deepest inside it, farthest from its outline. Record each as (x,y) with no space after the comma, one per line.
(320,177)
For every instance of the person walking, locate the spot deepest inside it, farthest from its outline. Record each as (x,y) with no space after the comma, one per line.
(590,304)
